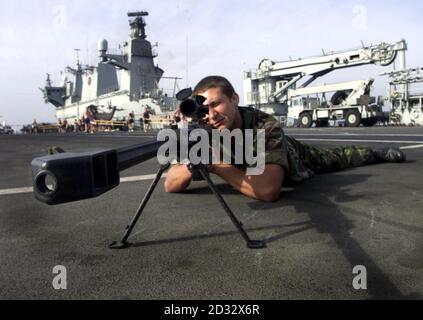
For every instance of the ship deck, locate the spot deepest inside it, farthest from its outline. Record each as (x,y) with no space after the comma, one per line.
(185,247)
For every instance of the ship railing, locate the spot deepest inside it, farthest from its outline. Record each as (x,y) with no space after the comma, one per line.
(48,128)
(159,122)
(109,124)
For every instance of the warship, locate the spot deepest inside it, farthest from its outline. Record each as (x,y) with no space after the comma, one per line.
(118,85)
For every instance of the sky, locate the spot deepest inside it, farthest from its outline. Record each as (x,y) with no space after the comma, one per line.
(195,38)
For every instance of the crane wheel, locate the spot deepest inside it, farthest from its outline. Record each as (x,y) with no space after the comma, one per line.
(353,118)
(305,120)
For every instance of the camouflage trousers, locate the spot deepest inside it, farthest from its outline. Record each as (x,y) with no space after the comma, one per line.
(305,160)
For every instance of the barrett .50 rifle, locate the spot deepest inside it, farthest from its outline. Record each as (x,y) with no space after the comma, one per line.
(67,177)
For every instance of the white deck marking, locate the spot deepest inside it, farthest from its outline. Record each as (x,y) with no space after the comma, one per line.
(356,140)
(359,134)
(412,147)
(4,192)
(140,178)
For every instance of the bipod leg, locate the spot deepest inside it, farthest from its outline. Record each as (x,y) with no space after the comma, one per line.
(252,244)
(122,244)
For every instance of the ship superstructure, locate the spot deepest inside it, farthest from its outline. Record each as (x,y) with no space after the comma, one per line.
(117,85)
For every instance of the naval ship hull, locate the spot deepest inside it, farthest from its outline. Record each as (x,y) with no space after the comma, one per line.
(122,104)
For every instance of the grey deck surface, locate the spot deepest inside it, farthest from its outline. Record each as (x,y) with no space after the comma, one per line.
(185,247)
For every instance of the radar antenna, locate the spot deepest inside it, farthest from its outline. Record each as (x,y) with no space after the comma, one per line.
(138,24)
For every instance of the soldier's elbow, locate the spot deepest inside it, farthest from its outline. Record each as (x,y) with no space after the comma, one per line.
(170,187)
(269,194)
(175,187)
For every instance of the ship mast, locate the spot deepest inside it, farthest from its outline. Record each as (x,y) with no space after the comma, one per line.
(138,24)
(78,64)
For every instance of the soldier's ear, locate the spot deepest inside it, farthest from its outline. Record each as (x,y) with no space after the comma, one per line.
(235,99)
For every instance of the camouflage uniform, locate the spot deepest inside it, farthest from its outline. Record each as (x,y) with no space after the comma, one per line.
(302,161)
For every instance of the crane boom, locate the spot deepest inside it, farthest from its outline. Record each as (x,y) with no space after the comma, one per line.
(272,80)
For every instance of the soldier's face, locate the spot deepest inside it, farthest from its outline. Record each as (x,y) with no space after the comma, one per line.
(223,110)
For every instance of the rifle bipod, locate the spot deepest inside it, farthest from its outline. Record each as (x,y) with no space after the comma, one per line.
(196,169)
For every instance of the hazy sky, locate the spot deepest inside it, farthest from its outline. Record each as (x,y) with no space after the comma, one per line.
(195,38)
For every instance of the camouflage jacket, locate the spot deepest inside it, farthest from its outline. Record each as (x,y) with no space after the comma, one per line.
(280,149)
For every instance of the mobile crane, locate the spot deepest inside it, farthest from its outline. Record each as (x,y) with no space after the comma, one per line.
(276,87)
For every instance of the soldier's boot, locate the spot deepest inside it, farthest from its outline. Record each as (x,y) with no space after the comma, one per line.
(390,155)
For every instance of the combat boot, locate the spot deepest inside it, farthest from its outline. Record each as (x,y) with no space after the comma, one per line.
(390,155)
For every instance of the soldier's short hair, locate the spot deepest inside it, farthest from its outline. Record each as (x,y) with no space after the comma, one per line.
(215,82)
